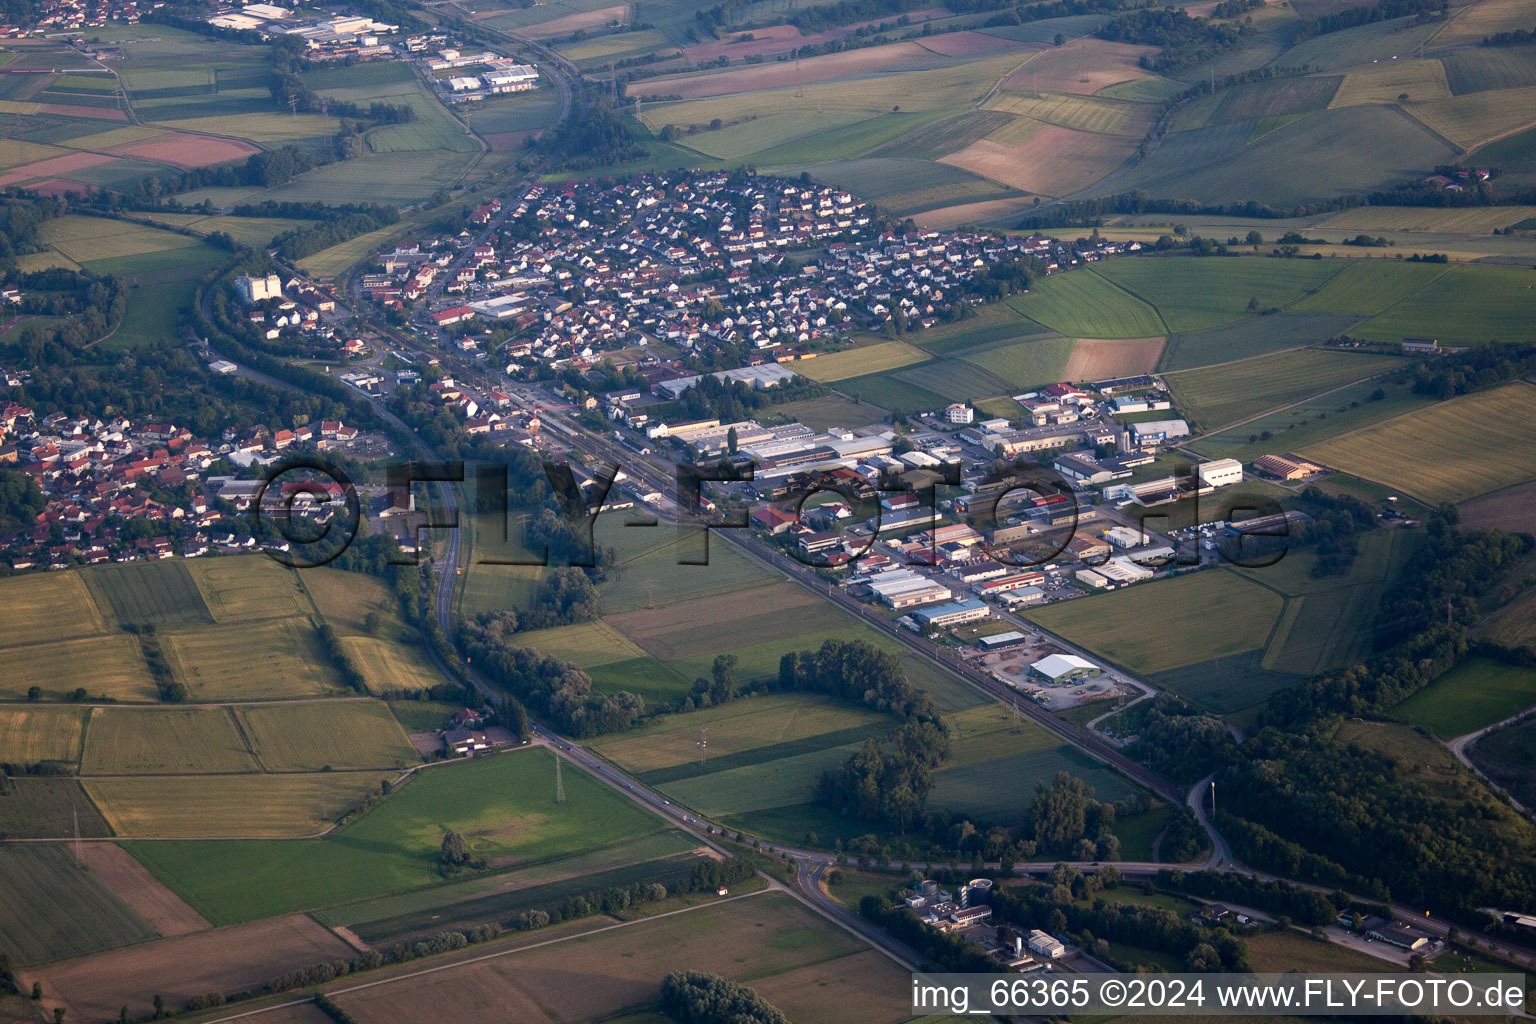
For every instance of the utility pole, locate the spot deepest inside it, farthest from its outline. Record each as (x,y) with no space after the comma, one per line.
(77,833)
(703,746)
(559,781)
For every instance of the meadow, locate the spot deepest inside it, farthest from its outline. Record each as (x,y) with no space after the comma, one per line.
(1252,336)
(1368,287)
(1171,623)
(1216,396)
(1450,451)
(89,239)
(1463,306)
(55,908)
(1475,694)
(1191,294)
(1085,304)
(164,741)
(504,805)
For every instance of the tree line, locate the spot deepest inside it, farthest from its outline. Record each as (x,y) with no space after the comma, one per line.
(693,997)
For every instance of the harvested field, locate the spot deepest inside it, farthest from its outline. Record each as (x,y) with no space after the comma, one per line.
(251,587)
(1082,66)
(163,741)
(1451,451)
(1509,509)
(1105,358)
(114,137)
(877,358)
(220,806)
(157,593)
(331,734)
(582,21)
(48,807)
(1474,21)
(387,666)
(694,628)
(585,644)
(947,217)
(257,661)
(184,150)
(30,733)
(14,152)
(965,44)
(1053,161)
(1470,220)
(1083,113)
(58,187)
(1470,121)
(734,729)
(106,666)
(75,110)
(259,127)
(93,988)
(787,74)
(32,602)
(98,238)
(1422,80)
(55,908)
(54,166)
(757,939)
(140,891)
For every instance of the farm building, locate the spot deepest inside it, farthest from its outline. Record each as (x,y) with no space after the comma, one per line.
(464,742)
(1064,668)
(952,614)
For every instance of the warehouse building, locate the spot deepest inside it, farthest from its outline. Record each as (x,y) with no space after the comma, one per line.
(1064,668)
(1221,473)
(954,613)
(1002,641)
(903,588)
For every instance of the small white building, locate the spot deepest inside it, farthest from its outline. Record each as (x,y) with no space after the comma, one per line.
(1221,473)
(223,366)
(1042,944)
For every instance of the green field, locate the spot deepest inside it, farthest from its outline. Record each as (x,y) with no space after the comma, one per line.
(1218,395)
(1197,616)
(878,358)
(1027,364)
(1191,294)
(164,741)
(1086,305)
(1252,336)
(889,392)
(1314,420)
(1474,694)
(504,805)
(161,593)
(323,735)
(1450,451)
(1463,306)
(56,909)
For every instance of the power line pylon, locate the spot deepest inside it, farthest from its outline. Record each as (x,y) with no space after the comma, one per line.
(559,781)
(703,746)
